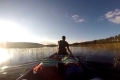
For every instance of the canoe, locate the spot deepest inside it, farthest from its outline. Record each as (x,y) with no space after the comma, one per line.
(60,67)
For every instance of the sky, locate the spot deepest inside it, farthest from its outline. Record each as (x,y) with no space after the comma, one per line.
(45,21)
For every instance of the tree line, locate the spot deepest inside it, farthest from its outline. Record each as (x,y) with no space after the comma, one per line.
(112,39)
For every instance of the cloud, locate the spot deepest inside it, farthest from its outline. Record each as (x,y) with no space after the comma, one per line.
(80,20)
(109,14)
(76,18)
(113,16)
(116,19)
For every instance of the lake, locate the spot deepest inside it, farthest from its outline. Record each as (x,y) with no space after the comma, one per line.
(16,61)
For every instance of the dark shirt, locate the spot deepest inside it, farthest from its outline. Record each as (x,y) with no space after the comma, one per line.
(62,47)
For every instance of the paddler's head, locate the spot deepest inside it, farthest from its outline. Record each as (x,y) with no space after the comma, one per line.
(63,38)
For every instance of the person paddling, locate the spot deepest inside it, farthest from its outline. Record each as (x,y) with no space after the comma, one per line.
(63,46)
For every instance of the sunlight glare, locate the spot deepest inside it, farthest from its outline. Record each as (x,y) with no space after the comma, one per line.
(46,40)
(4,67)
(14,32)
(4,72)
(11,31)
(4,56)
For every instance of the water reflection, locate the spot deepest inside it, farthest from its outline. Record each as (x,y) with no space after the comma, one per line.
(16,56)
(4,67)
(4,55)
(16,61)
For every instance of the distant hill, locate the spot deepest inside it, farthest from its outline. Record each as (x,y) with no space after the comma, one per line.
(51,45)
(22,45)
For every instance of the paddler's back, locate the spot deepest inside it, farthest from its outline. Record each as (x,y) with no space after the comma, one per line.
(62,47)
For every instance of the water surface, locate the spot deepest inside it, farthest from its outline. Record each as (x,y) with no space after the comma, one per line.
(16,61)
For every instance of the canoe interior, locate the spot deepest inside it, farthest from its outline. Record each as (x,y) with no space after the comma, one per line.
(49,71)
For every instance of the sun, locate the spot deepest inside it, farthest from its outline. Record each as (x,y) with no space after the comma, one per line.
(14,32)
(11,31)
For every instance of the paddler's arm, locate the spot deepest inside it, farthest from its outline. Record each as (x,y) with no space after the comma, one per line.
(58,46)
(69,49)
